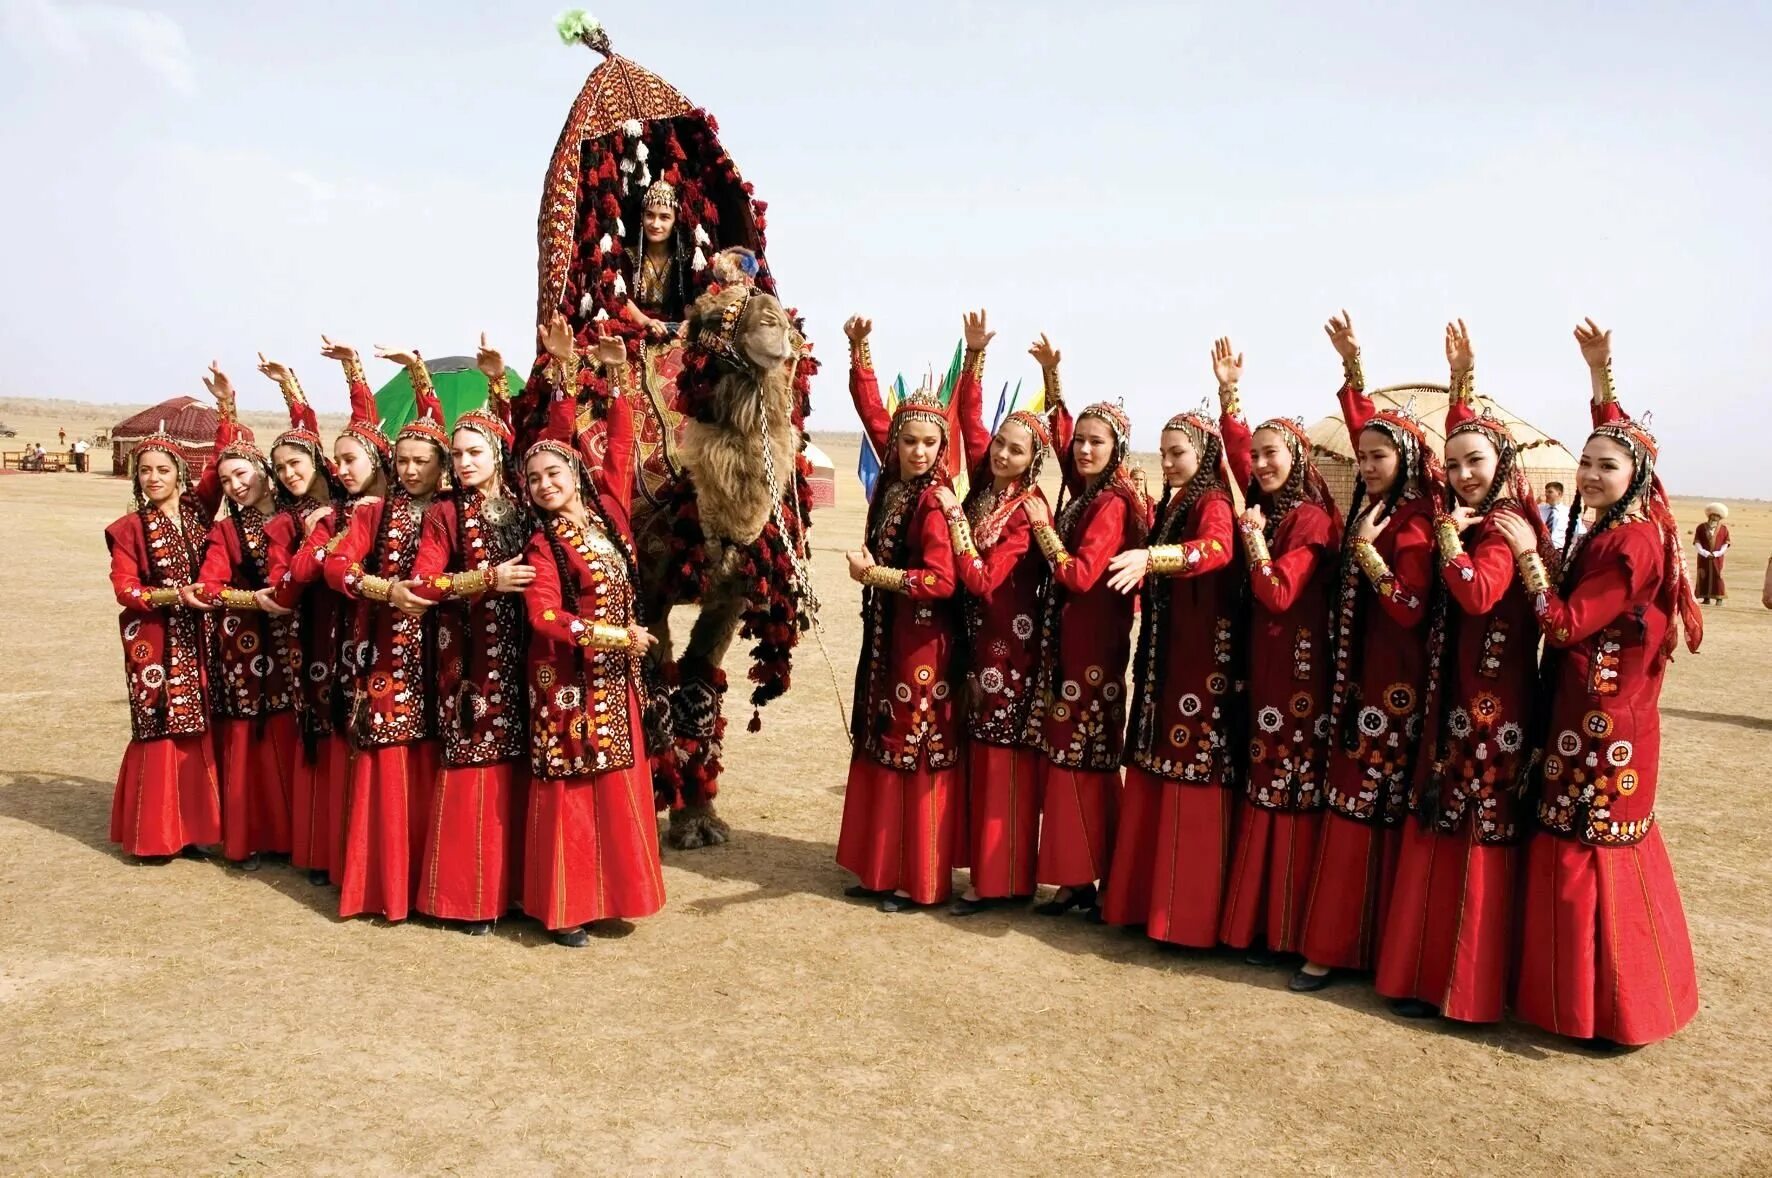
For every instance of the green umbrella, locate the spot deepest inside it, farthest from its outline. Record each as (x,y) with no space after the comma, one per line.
(460,386)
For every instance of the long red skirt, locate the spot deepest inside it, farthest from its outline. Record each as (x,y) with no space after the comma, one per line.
(1270,877)
(1350,893)
(1002,785)
(384,825)
(468,873)
(168,796)
(901,829)
(1449,935)
(313,817)
(258,783)
(1169,860)
(1078,808)
(1605,949)
(592,851)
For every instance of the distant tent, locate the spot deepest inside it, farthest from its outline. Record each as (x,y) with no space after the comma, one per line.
(190,422)
(1543,457)
(460,386)
(823,479)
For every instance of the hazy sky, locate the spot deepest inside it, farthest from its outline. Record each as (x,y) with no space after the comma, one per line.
(188,181)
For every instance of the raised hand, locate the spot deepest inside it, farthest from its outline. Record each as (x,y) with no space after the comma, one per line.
(978,337)
(1368,526)
(1227,364)
(1126,571)
(221,388)
(1340,330)
(857,328)
(1464,516)
(611,352)
(343,353)
(1596,344)
(1459,354)
(1253,516)
(859,563)
(1044,354)
(314,519)
(1038,513)
(277,372)
(945,496)
(403,358)
(488,360)
(556,337)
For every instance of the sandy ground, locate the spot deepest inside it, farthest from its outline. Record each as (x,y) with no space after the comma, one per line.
(190,1019)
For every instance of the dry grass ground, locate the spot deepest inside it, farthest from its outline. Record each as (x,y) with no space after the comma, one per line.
(191,1019)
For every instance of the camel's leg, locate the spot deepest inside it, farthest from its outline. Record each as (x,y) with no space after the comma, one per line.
(699,699)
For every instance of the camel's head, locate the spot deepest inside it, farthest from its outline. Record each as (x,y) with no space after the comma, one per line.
(744,327)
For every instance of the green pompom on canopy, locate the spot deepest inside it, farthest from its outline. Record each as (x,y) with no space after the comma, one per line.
(579,27)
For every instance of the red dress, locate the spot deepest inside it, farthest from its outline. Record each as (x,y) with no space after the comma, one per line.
(1605,951)
(391,660)
(1079,712)
(592,847)
(168,795)
(296,576)
(1375,724)
(1173,846)
(1449,934)
(902,823)
(1001,610)
(473,842)
(260,659)
(1712,542)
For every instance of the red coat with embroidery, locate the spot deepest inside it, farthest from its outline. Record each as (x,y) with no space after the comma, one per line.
(481,642)
(1184,675)
(390,657)
(905,712)
(1381,668)
(1475,770)
(166,650)
(1079,713)
(1603,631)
(1290,661)
(296,563)
(259,655)
(1004,593)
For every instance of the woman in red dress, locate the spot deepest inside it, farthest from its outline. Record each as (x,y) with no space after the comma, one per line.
(308,492)
(1173,846)
(391,658)
(470,556)
(168,796)
(1606,956)
(258,653)
(1379,693)
(1449,935)
(592,847)
(1711,540)
(1001,608)
(363,465)
(1079,711)
(902,811)
(1289,531)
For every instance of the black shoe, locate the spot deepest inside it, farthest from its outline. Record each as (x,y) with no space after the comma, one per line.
(1603,1046)
(319,878)
(152,860)
(194,852)
(1260,956)
(857,892)
(964,907)
(1308,983)
(476,928)
(895,903)
(1415,1008)
(1083,897)
(576,938)
(250,863)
